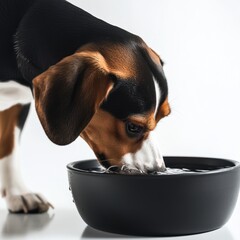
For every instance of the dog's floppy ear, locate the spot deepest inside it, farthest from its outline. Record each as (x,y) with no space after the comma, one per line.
(68,94)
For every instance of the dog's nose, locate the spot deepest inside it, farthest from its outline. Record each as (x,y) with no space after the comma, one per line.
(151,171)
(156,169)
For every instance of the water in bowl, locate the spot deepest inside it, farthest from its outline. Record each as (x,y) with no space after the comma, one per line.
(132,171)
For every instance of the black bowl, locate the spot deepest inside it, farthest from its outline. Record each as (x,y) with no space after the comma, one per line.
(157,205)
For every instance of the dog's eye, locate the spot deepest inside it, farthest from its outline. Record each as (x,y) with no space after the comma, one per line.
(134,130)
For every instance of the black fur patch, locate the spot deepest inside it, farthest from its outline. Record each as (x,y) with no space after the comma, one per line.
(130,97)
(23,116)
(137,96)
(103,160)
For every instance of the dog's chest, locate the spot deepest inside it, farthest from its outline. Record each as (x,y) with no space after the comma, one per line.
(12,93)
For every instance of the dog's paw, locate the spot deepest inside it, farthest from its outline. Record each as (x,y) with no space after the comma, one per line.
(27,203)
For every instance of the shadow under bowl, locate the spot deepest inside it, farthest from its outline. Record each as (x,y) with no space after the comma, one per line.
(157,205)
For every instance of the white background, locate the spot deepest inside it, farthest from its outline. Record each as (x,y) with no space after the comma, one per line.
(199,43)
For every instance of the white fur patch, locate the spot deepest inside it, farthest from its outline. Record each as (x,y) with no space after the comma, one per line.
(157,93)
(148,158)
(18,197)
(12,93)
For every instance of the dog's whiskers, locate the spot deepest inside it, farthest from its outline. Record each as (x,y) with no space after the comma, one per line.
(113,166)
(122,169)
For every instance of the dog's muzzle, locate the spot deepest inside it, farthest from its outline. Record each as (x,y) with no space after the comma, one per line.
(147,159)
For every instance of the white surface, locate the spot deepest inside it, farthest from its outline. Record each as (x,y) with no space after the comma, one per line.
(66,224)
(199,42)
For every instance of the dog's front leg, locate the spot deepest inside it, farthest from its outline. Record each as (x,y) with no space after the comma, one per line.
(18,197)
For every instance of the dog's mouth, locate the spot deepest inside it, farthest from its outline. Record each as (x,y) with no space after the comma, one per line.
(120,168)
(124,169)
(109,168)
(103,160)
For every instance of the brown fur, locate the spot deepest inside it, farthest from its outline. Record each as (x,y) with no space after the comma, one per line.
(163,111)
(68,106)
(154,56)
(147,120)
(65,103)
(115,58)
(107,135)
(8,120)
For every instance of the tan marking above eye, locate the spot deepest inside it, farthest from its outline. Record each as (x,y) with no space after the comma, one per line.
(148,121)
(164,110)
(154,56)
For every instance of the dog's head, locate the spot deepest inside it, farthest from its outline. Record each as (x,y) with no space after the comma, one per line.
(112,95)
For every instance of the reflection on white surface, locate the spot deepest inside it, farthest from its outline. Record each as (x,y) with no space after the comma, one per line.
(22,224)
(56,224)
(67,224)
(220,234)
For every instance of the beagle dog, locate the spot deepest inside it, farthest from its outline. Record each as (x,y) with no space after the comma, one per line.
(88,78)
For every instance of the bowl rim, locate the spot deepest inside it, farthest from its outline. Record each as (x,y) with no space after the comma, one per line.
(71,168)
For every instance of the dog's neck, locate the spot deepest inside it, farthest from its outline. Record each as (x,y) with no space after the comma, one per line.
(52,30)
